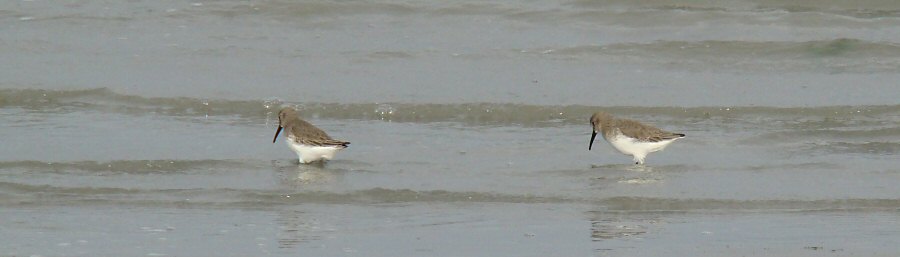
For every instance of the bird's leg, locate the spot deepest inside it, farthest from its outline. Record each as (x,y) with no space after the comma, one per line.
(639,160)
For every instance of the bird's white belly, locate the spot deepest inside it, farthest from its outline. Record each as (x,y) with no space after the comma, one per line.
(309,153)
(630,146)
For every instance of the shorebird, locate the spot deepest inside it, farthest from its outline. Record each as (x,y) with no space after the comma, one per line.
(631,137)
(309,142)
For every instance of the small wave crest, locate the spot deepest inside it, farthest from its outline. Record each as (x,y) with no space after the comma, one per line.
(123,166)
(23,194)
(257,110)
(837,55)
(872,148)
(857,9)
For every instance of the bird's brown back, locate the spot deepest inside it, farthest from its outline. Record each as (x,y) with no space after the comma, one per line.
(303,132)
(307,134)
(642,132)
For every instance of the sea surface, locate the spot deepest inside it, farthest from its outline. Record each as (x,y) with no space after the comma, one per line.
(144,128)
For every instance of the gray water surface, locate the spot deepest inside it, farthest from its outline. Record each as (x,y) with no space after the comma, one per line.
(144,128)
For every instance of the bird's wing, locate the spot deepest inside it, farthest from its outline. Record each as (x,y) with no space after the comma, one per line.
(645,133)
(308,134)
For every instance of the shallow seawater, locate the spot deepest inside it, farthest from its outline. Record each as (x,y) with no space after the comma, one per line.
(145,128)
(440,179)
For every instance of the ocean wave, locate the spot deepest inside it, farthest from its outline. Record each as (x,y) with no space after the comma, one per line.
(870,9)
(310,9)
(669,204)
(850,138)
(871,148)
(835,134)
(24,194)
(841,47)
(254,111)
(835,56)
(307,9)
(602,12)
(126,166)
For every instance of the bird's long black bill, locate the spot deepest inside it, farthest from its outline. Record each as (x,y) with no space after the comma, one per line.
(593,135)
(276,134)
